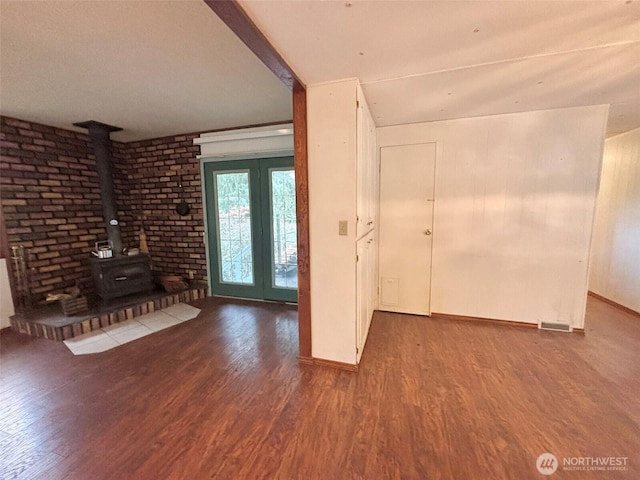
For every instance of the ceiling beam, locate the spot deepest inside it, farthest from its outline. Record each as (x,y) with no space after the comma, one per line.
(232,14)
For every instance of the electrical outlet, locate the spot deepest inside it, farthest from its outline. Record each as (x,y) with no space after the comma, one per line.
(192,274)
(342,227)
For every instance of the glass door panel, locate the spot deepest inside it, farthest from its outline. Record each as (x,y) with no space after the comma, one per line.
(284,247)
(280,229)
(233,213)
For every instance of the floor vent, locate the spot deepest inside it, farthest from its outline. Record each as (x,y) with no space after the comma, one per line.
(556,327)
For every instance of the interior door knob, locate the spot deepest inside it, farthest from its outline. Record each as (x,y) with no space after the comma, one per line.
(427,232)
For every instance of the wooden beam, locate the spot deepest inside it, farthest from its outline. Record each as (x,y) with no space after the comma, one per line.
(302,214)
(232,14)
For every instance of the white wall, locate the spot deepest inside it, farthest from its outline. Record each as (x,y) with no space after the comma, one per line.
(514,204)
(331,130)
(615,252)
(6,304)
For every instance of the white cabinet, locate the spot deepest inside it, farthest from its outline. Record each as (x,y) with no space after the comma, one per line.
(367,195)
(367,287)
(367,168)
(343,172)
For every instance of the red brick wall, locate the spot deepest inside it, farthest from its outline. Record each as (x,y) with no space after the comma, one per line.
(51,200)
(176,243)
(119,152)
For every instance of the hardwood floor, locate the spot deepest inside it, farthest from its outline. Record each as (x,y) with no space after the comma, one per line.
(223,396)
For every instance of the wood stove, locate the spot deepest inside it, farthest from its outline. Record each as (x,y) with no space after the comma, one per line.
(120,276)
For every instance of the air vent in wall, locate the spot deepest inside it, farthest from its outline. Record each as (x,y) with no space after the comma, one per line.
(556,327)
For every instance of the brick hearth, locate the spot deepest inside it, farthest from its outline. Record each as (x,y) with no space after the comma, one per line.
(54,326)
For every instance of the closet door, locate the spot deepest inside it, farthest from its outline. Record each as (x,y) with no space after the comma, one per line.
(406,227)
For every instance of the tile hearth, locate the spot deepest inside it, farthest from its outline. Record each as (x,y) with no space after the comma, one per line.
(120,333)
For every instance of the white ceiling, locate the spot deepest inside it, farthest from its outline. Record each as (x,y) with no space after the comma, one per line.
(434,60)
(152,68)
(159,68)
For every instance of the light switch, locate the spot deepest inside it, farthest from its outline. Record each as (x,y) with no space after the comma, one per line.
(342,227)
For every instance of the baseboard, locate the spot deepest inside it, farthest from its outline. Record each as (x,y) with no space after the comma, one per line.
(504,323)
(305,360)
(328,363)
(614,304)
(507,323)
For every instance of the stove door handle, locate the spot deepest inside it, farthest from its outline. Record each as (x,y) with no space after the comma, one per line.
(119,279)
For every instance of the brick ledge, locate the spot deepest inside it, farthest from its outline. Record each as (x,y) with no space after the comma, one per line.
(60,333)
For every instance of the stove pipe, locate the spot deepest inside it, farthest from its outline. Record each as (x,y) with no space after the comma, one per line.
(99,135)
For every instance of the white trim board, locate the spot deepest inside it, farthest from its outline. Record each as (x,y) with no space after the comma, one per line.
(245,143)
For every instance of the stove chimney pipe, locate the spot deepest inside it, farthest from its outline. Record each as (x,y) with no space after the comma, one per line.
(99,135)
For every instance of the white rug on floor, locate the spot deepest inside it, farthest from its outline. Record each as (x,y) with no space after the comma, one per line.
(124,332)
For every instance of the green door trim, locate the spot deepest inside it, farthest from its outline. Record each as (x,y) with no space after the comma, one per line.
(217,286)
(270,291)
(261,229)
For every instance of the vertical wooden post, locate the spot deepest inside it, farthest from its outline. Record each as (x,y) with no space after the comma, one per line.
(302,205)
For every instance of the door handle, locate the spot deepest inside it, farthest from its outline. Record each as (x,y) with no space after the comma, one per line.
(427,232)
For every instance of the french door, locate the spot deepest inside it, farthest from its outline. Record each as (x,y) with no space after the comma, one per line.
(251,221)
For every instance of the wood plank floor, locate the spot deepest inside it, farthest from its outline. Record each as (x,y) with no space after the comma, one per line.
(223,396)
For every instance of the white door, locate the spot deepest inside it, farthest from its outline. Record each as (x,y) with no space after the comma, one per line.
(406,227)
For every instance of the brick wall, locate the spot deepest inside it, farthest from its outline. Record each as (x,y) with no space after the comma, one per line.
(121,187)
(175,242)
(51,200)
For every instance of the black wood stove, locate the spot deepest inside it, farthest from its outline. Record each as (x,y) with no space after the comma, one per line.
(122,274)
